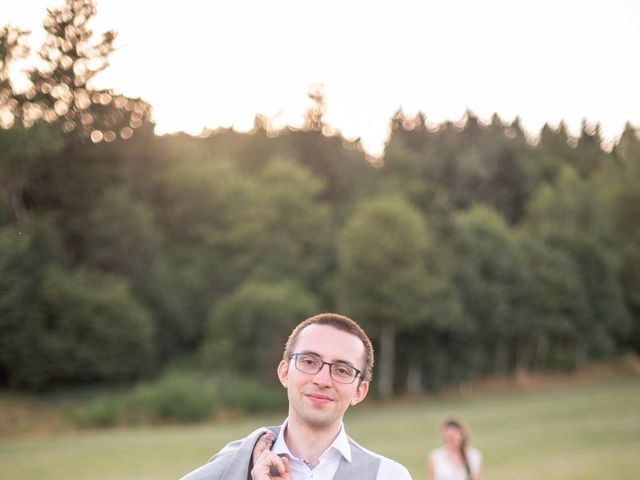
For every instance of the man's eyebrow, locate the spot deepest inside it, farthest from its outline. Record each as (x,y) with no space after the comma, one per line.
(310,352)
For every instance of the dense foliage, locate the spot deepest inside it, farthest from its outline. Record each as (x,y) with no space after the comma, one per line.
(469,249)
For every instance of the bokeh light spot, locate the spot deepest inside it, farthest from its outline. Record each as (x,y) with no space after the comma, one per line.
(126,132)
(61,108)
(96,136)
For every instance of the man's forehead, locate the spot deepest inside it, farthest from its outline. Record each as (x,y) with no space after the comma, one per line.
(331,343)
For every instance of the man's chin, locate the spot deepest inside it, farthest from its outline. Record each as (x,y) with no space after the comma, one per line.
(318,419)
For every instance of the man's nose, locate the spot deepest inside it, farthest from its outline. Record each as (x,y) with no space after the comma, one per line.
(323,377)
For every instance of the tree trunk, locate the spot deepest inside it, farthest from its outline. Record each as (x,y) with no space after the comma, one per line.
(580,353)
(522,363)
(387,355)
(414,378)
(14,199)
(542,354)
(501,358)
(436,370)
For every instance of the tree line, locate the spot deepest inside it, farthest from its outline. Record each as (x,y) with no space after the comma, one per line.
(468,249)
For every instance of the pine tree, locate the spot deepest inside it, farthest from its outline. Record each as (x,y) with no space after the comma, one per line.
(61,85)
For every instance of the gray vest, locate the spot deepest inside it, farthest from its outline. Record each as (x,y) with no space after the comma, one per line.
(232,462)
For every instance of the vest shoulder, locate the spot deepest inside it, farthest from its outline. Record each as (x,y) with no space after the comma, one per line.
(388,468)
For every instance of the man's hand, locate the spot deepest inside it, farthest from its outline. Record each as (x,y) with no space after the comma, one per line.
(266,464)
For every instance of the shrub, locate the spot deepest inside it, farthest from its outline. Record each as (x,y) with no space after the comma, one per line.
(178,397)
(102,412)
(250,396)
(175,397)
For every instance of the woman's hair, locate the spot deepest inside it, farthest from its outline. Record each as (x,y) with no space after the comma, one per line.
(452,422)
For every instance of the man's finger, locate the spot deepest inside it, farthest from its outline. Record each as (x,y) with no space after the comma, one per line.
(270,466)
(263,443)
(266,440)
(278,466)
(287,467)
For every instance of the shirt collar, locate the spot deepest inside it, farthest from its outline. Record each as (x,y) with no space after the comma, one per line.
(339,444)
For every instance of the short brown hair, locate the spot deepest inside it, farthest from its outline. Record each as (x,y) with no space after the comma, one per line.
(339,322)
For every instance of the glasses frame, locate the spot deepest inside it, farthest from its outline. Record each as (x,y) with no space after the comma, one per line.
(296,355)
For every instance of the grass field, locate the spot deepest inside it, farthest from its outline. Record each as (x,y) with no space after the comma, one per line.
(569,432)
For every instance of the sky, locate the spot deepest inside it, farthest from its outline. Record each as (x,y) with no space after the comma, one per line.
(216,63)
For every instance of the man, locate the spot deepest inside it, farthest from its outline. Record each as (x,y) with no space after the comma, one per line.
(312,442)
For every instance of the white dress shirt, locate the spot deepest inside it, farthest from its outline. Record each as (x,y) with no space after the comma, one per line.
(330,460)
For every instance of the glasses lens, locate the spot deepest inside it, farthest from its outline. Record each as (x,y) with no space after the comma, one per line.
(308,363)
(343,373)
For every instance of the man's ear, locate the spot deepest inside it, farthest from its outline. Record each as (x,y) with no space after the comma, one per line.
(361,392)
(283,372)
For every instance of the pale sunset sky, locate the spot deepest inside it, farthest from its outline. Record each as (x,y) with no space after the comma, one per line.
(208,63)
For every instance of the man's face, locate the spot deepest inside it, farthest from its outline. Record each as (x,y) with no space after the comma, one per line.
(317,400)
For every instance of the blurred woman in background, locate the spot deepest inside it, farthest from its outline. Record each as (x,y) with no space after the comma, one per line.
(455,459)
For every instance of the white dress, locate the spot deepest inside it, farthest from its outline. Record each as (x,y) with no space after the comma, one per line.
(445,469)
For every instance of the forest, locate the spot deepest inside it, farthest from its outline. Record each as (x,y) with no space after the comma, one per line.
(468,249)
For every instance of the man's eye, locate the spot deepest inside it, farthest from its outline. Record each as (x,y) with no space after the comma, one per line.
(343,371)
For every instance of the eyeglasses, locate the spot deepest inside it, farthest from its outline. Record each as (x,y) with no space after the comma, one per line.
(311,364)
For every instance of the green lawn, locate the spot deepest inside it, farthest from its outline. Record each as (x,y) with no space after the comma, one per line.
(588,432)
